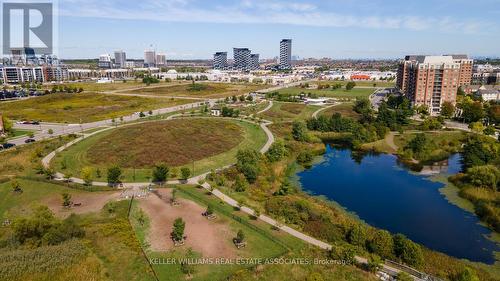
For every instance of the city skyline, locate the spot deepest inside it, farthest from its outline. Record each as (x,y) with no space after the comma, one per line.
(336,29)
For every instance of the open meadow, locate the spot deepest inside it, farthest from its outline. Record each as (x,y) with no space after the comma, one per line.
(201,90)
(340,93)
(204,143)
(83,107)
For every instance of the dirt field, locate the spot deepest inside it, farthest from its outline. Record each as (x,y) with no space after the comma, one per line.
(210,238)
(90,202)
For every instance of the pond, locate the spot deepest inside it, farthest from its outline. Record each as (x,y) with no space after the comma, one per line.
(384,194)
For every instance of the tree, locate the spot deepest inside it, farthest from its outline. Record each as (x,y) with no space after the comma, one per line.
(479,150)
(489,131)
(277,151)
(472,110)
(114,174)
(403,276)
(350,85)
(420,146)
(178,229)
(186,266)
(174,172)
(240,184)
(66,197)
(240,236)
(299,131)
(407,251)
(7,124)
(50,131)
(49,173)
(374,264)
(447,109)
(87,174)
(210,210)
(357,236)
(173,199)
(382,244)
(16,187)
(487,176)
(248,163)
(160,173)
(476,127)
(185,173)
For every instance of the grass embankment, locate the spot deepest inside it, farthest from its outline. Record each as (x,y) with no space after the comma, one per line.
(108,251)
(211,143)
(83,107)
(203,90)
(340,93)
(344,109)
(287,112)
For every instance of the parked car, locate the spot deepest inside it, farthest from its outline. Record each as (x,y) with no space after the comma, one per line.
(8,145)
(30,140)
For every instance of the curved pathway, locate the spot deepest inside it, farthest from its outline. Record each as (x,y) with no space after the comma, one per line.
(197,179)
(315,114)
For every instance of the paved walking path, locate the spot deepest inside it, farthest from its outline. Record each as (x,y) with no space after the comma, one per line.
(197,179)
(315,114)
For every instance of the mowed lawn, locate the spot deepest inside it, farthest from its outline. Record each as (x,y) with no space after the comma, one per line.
(341,93)
(84,107)
(208,90)
(202,143)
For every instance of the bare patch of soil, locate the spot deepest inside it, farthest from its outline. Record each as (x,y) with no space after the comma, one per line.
(208,237)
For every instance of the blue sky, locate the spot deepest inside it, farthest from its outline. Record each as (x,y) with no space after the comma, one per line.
(188,29)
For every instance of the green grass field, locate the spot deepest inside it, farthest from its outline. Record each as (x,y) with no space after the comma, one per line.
(19,133)
(360,83)
(209,90)
(84,107)
(355,93)
(176,142)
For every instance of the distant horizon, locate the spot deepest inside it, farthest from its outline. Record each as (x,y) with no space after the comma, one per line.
(189,29)
(300,58)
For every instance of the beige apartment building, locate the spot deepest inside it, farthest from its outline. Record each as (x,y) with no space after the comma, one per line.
(433,80)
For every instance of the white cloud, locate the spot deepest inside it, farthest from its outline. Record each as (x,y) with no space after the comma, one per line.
(258,12)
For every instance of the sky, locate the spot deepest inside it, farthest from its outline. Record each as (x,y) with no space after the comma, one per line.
(339,29)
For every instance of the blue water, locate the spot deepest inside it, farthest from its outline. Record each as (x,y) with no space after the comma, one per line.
(386,195)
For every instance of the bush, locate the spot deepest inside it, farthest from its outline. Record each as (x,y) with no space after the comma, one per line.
(487,176)
(357,236)
(305,158)
(407,251)
(277,151)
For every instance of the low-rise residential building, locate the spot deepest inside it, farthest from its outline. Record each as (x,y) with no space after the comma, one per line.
(488,93)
